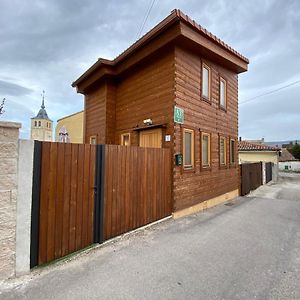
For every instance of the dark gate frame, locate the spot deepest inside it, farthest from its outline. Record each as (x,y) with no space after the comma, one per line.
(98,225)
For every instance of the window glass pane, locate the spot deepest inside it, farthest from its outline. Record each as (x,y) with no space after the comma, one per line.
(205,150)
(232,151)
(222,93)
(93,140)
(125,140)
(205,82)
(222,151)
(187,148)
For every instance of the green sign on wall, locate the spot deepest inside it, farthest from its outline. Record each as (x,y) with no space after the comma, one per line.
(178,115)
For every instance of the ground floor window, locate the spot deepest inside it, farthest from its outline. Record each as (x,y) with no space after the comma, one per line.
(222,150)
(205,149)
(93,140)
(188,148)
(125,139)
(232,151)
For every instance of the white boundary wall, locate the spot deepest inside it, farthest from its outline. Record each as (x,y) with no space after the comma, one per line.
(25,172)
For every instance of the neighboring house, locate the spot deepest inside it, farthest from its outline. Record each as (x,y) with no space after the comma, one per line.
(251,152)
(41,125)
(176,87)
(70,128)
(287,162)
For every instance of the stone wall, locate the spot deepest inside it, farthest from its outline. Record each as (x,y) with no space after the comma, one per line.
(9,136)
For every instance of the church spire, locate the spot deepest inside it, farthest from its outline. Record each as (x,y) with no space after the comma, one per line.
(43,101)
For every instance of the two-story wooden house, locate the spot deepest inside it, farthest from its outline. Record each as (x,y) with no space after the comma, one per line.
(176,68)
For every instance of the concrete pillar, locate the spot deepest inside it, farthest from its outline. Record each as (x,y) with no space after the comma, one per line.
(25,172)
(9,136)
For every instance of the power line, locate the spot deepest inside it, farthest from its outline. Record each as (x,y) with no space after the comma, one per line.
(271,92)
(145,19)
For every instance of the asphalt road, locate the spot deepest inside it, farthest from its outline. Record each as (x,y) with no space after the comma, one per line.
(248,250)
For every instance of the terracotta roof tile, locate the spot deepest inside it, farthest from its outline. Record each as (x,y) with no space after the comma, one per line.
(175,15)
(247,146)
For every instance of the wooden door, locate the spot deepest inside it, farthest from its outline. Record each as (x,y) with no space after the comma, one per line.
(151,138)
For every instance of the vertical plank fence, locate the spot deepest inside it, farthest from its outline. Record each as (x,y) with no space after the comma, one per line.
(251,177)
(85,194)
(137,187)
(66,199)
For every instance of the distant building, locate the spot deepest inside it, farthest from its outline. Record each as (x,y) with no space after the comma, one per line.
(69,129)
(252,152)
(287,162)
(41,125)
(260,141)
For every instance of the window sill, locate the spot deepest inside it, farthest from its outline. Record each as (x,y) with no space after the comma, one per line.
(222,108)
(207,100)
(205,168)
(188,169)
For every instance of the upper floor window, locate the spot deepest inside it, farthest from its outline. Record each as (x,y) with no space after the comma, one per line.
(188,148)
(205,149)
(206,82)
(223,92)
(35,123)
(39,123)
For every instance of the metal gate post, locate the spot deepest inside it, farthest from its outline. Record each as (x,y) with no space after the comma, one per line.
(35,206)
(99,195)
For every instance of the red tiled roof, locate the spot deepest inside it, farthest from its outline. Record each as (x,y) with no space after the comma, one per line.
(176,15)
(247,146)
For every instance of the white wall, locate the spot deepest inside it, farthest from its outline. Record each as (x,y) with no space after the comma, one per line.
(25,172)
(291,166)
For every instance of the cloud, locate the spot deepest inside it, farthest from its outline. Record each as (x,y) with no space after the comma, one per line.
(8,88)
(45,45)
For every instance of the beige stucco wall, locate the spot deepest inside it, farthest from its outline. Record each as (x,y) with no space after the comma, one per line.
(74,126)
(9,135)
(257,156)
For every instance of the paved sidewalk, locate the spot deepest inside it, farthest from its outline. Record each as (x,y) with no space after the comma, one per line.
(248,250)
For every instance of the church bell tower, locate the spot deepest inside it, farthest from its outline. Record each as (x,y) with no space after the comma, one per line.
(41,125)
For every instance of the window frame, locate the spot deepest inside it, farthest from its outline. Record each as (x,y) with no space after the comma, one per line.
(223,165)
(205,98)
(192,166)
(232,163)
(91,138)
(122,138)
(222,79)
(208,166)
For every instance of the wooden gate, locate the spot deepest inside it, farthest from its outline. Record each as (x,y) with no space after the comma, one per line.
(63,200)
(268,172)
(251,177)
(85,194)
(137,187)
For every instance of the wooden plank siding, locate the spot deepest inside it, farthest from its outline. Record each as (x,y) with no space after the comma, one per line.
(66,199)
(137,187)
(95,114)
(146,92)
(192,187)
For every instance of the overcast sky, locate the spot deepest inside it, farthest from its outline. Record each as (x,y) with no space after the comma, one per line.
(45,45)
